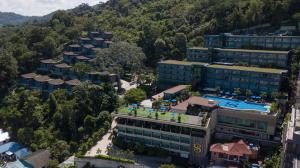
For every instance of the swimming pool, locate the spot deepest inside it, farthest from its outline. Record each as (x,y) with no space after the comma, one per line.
(238,104)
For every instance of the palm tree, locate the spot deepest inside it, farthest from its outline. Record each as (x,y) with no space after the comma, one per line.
(263,95)
(249,93)
(237,91)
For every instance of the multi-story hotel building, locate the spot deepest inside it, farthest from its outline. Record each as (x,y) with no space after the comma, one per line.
(225,77)
(261,58)
(201,117)
(228,40)
(189,137)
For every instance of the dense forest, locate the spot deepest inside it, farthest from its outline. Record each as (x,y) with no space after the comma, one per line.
(145,31)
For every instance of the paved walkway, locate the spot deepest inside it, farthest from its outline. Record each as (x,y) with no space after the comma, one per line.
(102,145)
(127,86)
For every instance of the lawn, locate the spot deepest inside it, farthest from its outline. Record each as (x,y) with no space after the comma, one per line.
(161,116)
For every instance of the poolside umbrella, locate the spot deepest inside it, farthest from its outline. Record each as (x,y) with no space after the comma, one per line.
(167,101)
(134,105)
(173,101)
(227,93)
(234,94)
(253,97)
(173,115)
(221,92)
(258,97)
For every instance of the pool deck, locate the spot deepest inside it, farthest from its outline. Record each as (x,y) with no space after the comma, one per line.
(235,104)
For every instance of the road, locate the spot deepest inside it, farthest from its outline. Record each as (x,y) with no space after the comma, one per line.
(102,144)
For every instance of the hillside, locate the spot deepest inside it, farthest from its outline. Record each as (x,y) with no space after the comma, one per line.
(162,27)
(10,18)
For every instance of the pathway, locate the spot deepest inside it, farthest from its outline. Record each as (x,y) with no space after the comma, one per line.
(102,145)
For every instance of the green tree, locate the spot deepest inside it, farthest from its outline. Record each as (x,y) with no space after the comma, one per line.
(167,166)
(134,95)
(248,93)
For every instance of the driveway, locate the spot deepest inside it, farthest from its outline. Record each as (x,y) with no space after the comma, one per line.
(101,146)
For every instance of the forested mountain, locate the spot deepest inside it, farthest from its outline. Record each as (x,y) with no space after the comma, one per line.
(10,18)
(162,29)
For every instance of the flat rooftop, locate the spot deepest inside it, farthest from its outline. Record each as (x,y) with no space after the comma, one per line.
(198,48)
(245,68)
(162,116)
(176,89)
(183,62)
(253,51)
(195,100)
(231,67)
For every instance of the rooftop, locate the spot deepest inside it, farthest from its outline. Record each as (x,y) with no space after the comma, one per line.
(255,51)
(88,46)
(74,45)
(162,116)
(29,75)
(70,53)
(49,61)
(195,100)
(198,48)
(56,82)
(84,38)
(176,62)
(63,65)
(42,78)
(244,68)
(73,82)
(82,58)
(239,148)
(176,89)
(98,39)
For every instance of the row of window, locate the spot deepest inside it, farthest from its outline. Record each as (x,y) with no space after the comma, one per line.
(156,143)
(157,135)
(162,127)
(260,125)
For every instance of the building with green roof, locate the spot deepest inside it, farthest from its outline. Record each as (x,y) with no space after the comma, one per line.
(223,76)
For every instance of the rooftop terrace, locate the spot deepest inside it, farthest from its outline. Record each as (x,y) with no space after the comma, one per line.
(162,116)
(183,62)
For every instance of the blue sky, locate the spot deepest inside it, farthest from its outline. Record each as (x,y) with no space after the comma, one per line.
(40,7)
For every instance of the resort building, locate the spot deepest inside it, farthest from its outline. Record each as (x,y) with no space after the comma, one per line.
(47,65)
(61,69)
(85,40)
(188,137)
(200,118)
(225,77)
(76,48)
(69,57)
(232,153)
(171,93)
(69,85)
(27,80)
(55,84)
(228,40)
(261,58)
(246,120)
(199,54)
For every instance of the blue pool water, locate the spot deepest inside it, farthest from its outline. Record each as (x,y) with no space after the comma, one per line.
(238,104)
